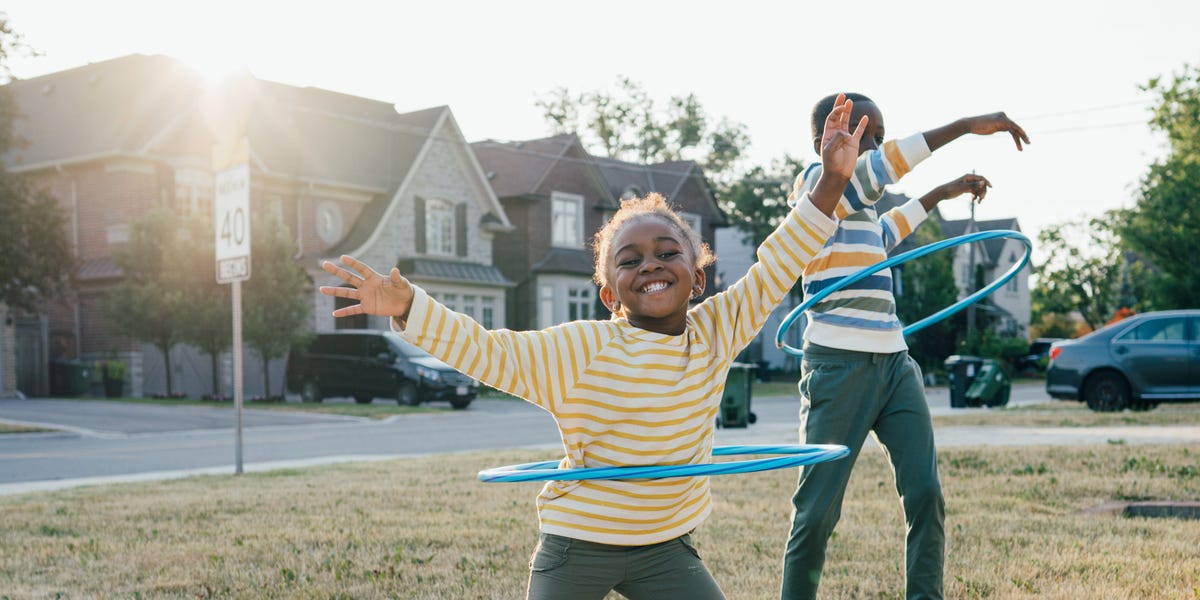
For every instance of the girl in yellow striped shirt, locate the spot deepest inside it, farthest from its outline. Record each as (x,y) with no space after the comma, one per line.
(641,389)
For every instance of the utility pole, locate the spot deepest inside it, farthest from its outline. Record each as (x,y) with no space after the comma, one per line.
(971,275)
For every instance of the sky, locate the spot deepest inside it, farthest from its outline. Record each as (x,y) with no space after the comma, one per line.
(1069,72)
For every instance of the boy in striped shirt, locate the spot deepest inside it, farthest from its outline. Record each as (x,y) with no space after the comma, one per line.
(856,376)
(641,389)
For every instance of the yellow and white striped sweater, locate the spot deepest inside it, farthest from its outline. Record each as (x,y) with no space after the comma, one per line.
(627,396)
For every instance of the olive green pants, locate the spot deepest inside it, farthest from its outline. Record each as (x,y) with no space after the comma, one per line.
(844,396)
(564,568)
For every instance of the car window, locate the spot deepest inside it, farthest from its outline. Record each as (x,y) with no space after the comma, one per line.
(376,346)
(341,345)
(1172,329)
(403,347)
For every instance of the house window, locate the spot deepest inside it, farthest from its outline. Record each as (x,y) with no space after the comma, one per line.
(1012,284)
(579,303)
(693,220)
(450,301)
(563,298)
(545,306)
(469,304)
(566,220)
(193,193)
(439,227)
(487,312)
(352,322)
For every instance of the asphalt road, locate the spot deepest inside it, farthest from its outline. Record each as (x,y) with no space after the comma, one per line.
(101,442)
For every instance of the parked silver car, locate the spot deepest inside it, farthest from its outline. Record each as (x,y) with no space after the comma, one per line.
(1134,363)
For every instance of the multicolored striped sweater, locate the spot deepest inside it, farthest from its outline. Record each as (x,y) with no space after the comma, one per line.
(622,395)
(862,317)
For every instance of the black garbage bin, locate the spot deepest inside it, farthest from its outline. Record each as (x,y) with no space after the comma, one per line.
(735,402)
(962,371)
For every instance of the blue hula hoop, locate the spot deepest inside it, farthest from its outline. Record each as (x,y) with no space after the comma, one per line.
(905,257)
(806,454)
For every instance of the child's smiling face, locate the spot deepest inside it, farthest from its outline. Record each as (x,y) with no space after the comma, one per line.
(652,275)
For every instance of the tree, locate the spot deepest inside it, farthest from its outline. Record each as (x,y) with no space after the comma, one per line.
(1162,228)
(275,304)
(150,303)
(208,304)
(928,286)
(627,125)
(757,202)
(35,258)
(1082,269)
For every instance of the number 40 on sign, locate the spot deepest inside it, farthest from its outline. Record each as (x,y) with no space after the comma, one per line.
(231,222)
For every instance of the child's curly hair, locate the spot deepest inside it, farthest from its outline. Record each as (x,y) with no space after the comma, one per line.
(653,205)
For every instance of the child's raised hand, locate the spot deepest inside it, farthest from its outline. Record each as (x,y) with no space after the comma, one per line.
(976,185)
(389,296)
(995,123)
(839,146)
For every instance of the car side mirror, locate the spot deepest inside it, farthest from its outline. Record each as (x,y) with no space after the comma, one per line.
(384,357)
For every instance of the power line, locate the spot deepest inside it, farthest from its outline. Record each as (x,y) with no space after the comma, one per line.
(1081,111)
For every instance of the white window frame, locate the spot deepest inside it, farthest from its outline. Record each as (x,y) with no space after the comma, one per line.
(439,227)
(566,234)
(557,294)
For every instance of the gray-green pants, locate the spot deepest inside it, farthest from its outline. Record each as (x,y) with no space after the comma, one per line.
(844,396)
(564,568)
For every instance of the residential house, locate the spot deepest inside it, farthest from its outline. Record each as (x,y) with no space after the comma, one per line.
(558,195)
(111,140)
(557,198)
(1008,306)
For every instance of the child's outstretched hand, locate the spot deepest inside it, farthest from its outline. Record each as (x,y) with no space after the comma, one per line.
(976,185)
(995,123)
(389,296)
(839,146)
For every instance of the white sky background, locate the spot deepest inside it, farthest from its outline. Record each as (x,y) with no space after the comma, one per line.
(1067,71)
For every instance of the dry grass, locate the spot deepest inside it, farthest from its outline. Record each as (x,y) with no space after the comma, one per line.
(425,528)
(13,428)
(1073,414)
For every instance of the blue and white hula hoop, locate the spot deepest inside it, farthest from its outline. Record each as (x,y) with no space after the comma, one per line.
(905,257)
(806,454)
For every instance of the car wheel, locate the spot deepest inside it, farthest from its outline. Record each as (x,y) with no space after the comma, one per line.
(460,403)
(1106,392)
(363,399)
(406,394)
(311,392)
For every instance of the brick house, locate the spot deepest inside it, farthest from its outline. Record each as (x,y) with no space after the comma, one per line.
(346,174)
(558,195)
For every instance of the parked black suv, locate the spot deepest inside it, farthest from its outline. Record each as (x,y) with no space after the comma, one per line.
(367,364)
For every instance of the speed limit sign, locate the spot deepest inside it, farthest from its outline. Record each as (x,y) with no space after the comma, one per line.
(231,223)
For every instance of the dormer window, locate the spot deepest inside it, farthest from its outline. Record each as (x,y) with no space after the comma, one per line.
(439,227)
(566,220)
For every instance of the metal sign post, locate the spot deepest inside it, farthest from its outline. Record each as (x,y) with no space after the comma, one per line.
(231,222)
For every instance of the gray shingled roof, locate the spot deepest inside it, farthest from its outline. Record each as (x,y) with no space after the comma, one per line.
(459,272)
(993,247)
(150,105)
(562,260)
(516,169)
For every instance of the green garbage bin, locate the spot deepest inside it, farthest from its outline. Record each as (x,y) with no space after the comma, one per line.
(991,386)
(735,402)
(69,377)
